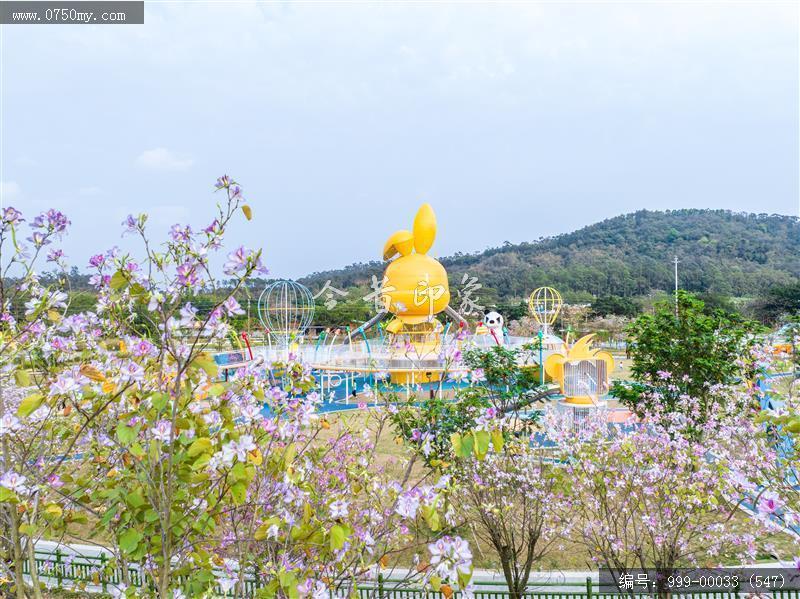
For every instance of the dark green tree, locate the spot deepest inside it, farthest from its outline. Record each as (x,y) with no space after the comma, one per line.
(778,301)
(717,301)
(614,304)
(684,356)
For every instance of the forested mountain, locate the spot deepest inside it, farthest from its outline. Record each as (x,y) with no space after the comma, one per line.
(720,251)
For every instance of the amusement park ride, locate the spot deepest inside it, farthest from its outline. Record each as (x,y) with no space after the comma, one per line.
(406,345)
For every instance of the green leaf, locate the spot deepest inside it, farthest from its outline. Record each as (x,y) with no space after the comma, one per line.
(497,440)
(238,472)
(125,434)
(431,516)
(150,515)
(455,439)
(464,578)
(216,390)
(793,426)
(289,454)
(137,450)
(206,362)
(129,540)
(201,445)
(159,400)
(202,461)
(481,444)
(337,537)
(29,405)
(22,378)
(118,281)
(467,442)
(135,499)
(239,493)
(288,582)
(109,514)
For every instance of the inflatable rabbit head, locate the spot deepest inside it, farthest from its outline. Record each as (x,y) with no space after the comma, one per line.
(415,285)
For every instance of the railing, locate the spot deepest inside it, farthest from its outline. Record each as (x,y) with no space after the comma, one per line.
(61,570)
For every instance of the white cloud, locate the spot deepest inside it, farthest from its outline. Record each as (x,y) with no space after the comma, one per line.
(162,159)
(9,191)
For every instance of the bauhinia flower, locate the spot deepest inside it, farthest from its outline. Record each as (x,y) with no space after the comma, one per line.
(451,556)
(9,424)
(14,482)
(162,431)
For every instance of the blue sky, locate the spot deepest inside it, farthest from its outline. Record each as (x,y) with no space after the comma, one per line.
(514,121)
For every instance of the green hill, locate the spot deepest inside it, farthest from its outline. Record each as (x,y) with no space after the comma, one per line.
(734,254)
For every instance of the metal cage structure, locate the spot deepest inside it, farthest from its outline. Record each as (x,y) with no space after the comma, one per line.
(585,378)
(545,304)
(286,309)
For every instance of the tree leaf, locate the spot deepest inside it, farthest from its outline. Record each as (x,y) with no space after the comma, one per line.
(129,540)
(216,390)
(125,434)
(337,537)
(431,516)
(201,445)
(118,281)
(467,442)
(135,499)
(159,400)
(22,378)
(481,444)
(206,362)
(455,439)
(239,493)
(29,405)
(497,440)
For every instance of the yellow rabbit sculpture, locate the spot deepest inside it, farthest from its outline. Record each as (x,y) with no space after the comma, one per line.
(415,286)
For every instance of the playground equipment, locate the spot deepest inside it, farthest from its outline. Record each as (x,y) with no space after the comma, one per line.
(286,310)
(412,340)
(413,346)
(544,305)
(582,372)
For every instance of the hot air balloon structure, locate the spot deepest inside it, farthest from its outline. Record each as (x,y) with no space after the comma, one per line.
(582,372)
(545,304)
(285,309)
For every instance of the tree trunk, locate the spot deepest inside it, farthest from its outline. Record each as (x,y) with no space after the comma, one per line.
(19,558)
(37,590)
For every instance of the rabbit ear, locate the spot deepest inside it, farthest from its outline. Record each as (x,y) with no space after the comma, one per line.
(424,229)
(400,242)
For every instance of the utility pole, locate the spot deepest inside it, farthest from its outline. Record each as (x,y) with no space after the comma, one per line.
(676,286)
